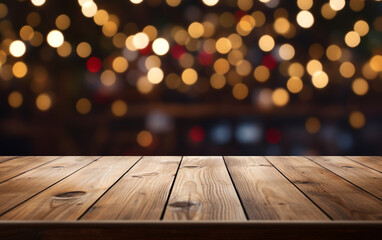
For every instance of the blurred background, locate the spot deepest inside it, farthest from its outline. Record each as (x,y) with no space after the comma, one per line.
(180,77)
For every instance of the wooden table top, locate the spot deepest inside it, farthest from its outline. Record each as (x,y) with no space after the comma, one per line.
(200,189)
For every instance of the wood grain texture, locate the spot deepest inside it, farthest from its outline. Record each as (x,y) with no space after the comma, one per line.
(71,197)
(6,158)
(359,175)
(17,166)
(369,161)
(20,188)
(203,190)
(141,194)
(338,198)
(268,195)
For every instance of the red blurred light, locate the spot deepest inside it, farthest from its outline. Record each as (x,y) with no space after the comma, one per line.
(94,64)
(205,58)
(269,61)
(197,134)
(147,50)
(239,14)
(273,135)
(177,51)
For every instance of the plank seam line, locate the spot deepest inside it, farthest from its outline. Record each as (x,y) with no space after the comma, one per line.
(46,188)
(11,158)
(362,164)
(169,193)
(299,189)
(237,192)
(103,194)
(344,178)
(54,159)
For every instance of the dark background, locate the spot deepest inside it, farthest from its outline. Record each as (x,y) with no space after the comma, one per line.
(196,120)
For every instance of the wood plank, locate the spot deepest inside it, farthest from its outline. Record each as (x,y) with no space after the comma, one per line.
(363,177)
(6,158)
(71,197)
(268,195)
(20,165)
(203,190)
(25,186)
(141,194)
(374,162)
(338,198)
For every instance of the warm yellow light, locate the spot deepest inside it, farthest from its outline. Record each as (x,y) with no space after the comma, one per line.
(196,30)
(360,86)
(55,38)
(17,48)
(320,79)
(294,84)
(352,39)
(286,51)
(151,32)
(152,61)
(361,27)
(136,1)
(62,22)
(376,63)
(109,29)
(327,12)
(84,49)
(217,81)
(305,19)
(38,3)
(26,33)
(160,46)
(101,17)
(155,75)
(261,73)
(140,40)
(333,52)
(83,106)
(266,43)
(43,102)
(89,9)
(304,4)
(108,78)
(296,70)
(120,64)
(189,76)
(281,25)
(15,99)
(210,2)
(312,125)
(223,45)
(173,3)
(19,69)
(240,91)
(221,66)
(144,86)
(313,66)
(337,5)
(65,49)
(357,119)
(347,69)
(144,138)
(280,97)
(119,108)
(243,67)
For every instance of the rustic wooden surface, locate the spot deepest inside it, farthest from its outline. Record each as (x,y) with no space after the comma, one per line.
(201,190)
(190,188)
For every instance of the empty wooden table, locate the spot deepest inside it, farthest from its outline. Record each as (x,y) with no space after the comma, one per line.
(189,197)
